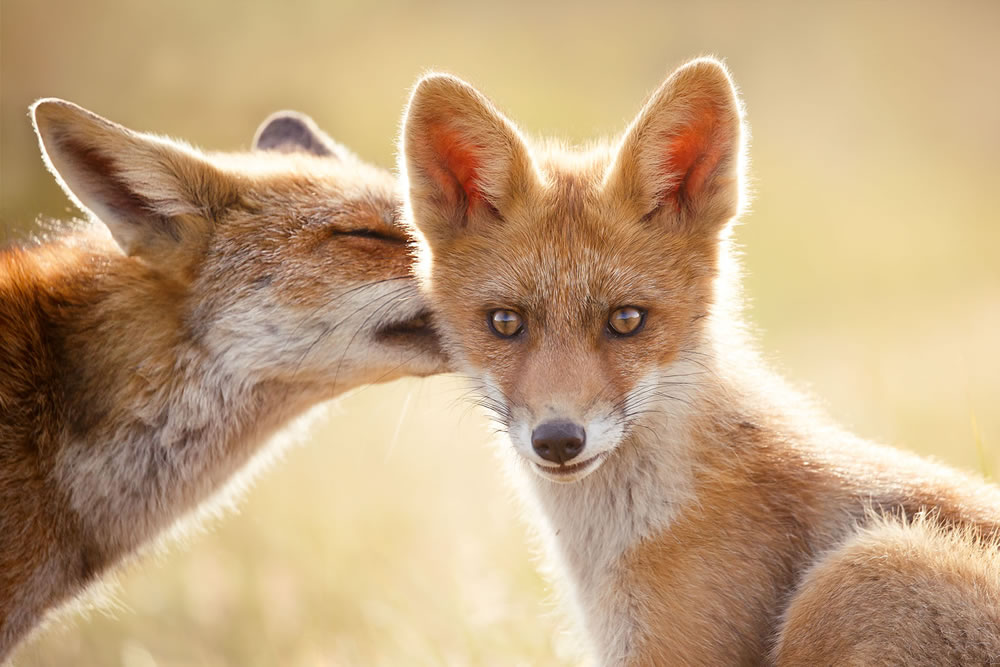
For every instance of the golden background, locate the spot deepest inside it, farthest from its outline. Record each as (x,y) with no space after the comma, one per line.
(391,538)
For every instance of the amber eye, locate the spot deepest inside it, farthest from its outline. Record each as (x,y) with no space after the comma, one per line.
(626,321)
(505,323)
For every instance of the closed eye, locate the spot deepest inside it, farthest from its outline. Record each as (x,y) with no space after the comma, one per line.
(368,233)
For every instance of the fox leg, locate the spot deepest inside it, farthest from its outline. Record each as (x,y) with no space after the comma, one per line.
(897,594)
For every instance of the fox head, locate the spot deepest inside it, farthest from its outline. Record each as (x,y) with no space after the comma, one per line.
(574,285)
(286,262)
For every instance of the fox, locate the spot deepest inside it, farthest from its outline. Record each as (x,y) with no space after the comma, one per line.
(695,508)
(153,352)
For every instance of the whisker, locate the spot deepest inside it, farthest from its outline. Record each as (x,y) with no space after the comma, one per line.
(390,300)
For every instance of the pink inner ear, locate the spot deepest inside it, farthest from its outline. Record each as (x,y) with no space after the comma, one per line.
(692,156)
(457,166)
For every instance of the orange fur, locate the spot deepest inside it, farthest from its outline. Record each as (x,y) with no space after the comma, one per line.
(712,517)
(145,367)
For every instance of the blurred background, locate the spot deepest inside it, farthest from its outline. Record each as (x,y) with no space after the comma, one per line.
(390,537)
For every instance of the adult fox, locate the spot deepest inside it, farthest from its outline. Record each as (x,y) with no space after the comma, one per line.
(149,354)
(701,513)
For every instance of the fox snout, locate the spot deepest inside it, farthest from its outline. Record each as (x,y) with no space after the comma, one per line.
(558,441)
(564,445)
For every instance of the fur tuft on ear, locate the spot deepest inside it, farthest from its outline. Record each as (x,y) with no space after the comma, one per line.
(154,195)
(291,131)
(463,159)
(681,156)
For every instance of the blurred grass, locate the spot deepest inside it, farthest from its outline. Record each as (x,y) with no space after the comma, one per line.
(871,256)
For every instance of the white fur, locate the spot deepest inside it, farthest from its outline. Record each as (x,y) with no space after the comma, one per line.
(329,344)
(199,429)
(588,525)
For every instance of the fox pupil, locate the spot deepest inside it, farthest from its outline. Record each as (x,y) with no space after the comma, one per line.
(505,323)
(626,321)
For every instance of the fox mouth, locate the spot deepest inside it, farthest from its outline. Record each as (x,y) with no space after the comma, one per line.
(419,324)
(567,473)
(413,332)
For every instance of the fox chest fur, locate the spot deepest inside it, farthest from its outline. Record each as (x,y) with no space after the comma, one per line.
(698,511)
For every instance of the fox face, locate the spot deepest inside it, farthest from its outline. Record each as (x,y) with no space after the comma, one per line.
(287,263)
(574,286)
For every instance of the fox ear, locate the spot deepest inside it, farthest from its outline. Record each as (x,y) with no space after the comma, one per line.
(680,158)
(154,195)
(291,131)
(463,159)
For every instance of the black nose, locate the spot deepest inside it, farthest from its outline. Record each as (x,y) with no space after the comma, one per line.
(558,441)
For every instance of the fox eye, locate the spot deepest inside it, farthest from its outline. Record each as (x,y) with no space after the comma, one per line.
(505,323)
(626,321)
(374,233)
(367,233)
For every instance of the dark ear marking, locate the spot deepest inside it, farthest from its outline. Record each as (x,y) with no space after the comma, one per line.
(154,195)
(290,132)
(119,198)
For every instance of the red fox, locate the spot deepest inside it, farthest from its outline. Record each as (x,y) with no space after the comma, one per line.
(700,512)
(149,355)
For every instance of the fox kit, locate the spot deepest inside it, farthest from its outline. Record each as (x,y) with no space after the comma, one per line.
(700,513)
(149,354)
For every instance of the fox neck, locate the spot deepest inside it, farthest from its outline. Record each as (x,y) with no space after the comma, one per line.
(158,423)
(122,422)
(639,491)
